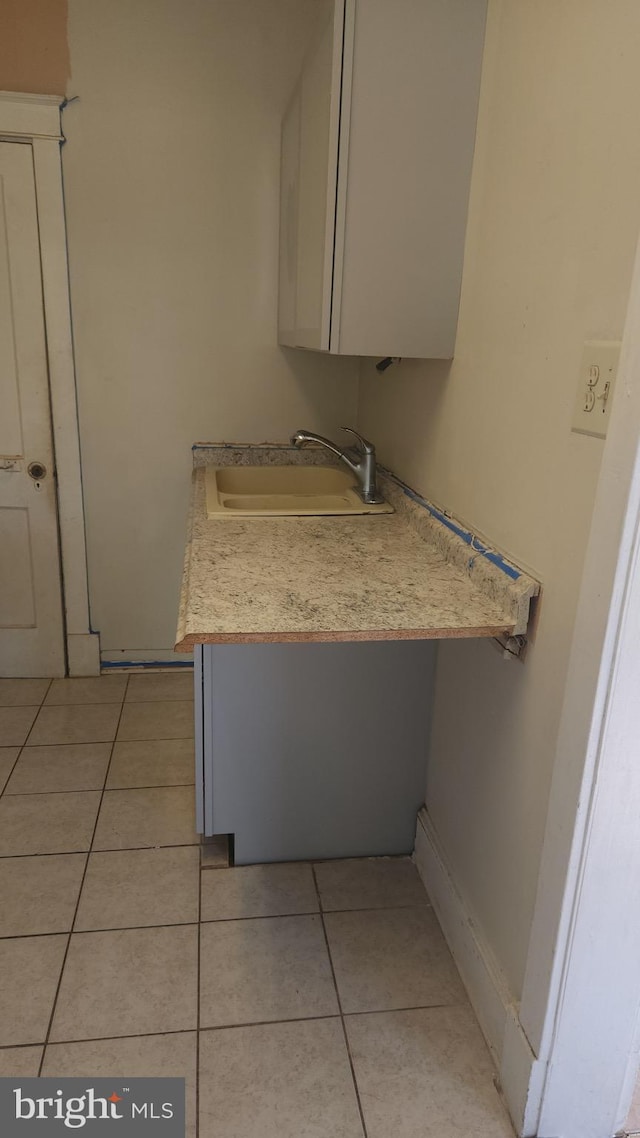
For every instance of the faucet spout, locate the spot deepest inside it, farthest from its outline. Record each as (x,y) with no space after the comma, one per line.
(301,437)
(361,460)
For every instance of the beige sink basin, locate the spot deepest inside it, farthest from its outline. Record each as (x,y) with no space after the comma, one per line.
(272,491)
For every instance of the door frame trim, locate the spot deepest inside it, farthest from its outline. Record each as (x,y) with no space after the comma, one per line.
(580,1005)
(35,119)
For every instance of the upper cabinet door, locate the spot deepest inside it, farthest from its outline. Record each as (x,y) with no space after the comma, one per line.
(308,192)
(377,154)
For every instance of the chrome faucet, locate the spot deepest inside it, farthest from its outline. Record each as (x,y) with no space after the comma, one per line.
(361,460)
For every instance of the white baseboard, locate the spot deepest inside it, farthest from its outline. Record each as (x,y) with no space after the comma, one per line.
(83,653)
(521,1077)
(487,989)
(519,1071)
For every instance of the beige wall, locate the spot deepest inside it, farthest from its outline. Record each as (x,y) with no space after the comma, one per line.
(553,223)
(171,177)
(34,54)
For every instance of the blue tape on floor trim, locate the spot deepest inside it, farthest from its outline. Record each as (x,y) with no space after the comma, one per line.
(146,664)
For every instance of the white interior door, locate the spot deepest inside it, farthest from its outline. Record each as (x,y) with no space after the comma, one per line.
(31,620)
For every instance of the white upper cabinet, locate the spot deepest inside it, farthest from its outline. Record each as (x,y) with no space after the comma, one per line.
(377,148)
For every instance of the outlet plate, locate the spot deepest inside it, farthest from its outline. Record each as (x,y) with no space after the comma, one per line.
(596,383)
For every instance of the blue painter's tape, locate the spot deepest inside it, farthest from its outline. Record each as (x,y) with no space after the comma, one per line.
(146,664)
(243,446)
(496,559)
(465,535)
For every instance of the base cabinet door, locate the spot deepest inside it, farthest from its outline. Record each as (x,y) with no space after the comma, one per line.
(315,750)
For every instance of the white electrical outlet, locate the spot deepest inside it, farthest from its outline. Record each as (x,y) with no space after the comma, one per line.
(598,369)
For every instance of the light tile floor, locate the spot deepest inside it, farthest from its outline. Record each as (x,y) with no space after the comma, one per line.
(317,1000)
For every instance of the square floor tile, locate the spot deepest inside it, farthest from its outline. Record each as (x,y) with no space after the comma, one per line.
(87,689)
(369,883)
(174,720)
(132,982)
(15,723)
(20,1062)
(29,973)
(13,693)
(73,723)
(47,823)
(391,958)
(159,762)
(8,756)
(39,894)
(160,686)
(279,1080)
(158,816)
(155,1056)
(67,766)
(425,1072)
(131,888)
(259,891)
(270,969)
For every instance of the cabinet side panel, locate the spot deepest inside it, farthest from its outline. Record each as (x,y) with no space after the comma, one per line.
(414,100)
(198,704)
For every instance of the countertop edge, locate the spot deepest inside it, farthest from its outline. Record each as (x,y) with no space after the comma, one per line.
(186,564)
(190,640)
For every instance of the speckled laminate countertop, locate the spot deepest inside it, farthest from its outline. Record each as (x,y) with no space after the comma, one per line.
(407,575)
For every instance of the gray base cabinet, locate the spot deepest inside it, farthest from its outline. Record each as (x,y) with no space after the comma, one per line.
(312,750)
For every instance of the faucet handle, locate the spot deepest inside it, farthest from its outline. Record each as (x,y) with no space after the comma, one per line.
(367,447)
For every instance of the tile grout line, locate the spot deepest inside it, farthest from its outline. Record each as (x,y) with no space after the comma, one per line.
(155,1034)
(96,1039)
(311,913)
(333,1015)
(3,793)
(339,1001)
(179,699)
(160,739)
(233,1026)
(21,746)
(215,1027)
(115,929)
(93,742)
(199,921)
(111,849)
(126,698)
(86,866)
(93,789)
